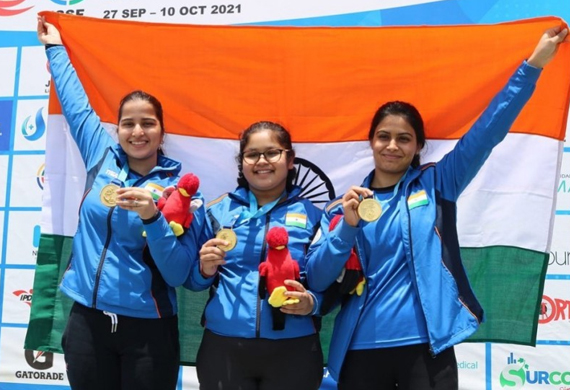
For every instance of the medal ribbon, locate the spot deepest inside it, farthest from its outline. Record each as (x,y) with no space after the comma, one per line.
(396,188)
(254,210)
(123,175)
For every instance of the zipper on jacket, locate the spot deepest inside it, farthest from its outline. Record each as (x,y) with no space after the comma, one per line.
(261,260)
(414,282)
(102,258)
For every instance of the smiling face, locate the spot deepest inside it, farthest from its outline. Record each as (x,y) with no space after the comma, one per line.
(140,134)
(394,146)
(267,180)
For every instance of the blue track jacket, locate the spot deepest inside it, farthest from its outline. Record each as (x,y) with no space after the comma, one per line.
(113,267)
(236,310)
(452,312)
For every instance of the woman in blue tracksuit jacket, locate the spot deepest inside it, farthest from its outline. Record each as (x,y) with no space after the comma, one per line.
(241,348)
(122,332)
(417,302)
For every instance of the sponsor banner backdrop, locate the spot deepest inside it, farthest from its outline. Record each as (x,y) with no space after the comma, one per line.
(543,367)
(563,200)
(23,234)
(24,86)
(3,180)
(7,70)
(33,368)
(559,260)
(554,320)
(33,64)
(17,295)
(471,364)
(30,125)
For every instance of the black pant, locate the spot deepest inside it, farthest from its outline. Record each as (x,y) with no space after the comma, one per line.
(143,354)
(403,368)
(228,363)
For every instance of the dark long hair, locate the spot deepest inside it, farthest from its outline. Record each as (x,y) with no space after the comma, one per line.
(283,137)
(410,115)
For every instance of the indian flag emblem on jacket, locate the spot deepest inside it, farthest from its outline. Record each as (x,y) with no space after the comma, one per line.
(155,190)
(293,219)
(417,199)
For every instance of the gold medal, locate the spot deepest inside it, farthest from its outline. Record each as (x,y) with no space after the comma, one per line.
(369,209)
(108,195)
(229,236)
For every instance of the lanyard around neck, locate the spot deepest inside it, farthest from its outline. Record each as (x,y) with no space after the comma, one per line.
(254,210)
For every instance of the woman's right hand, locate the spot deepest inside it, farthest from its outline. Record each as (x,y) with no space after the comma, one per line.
(350,201)
(47,33)
(211,256)
(547,46)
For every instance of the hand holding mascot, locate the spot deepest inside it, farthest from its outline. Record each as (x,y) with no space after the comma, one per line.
(278,267)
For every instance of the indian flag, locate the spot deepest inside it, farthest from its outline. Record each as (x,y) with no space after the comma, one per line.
(155,190)
(324,84)
(417,199)
(295,219)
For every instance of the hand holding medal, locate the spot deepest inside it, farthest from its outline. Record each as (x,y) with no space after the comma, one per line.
(136,199)
(212,255)
(351,202)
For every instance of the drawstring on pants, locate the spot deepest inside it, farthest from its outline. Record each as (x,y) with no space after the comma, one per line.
(114,320)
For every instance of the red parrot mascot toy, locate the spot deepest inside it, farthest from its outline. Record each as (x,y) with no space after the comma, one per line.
(176,203)
(278,267)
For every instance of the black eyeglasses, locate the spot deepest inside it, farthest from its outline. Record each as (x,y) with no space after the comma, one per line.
(270,155)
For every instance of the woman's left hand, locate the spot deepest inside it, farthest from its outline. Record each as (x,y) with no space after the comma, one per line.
(138,200)
(305,304)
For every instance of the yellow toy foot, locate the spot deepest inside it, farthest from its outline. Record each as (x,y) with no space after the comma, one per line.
(359,288)
(177,229)
(278,297)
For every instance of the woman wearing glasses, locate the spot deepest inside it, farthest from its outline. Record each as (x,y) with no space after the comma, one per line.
(241,347)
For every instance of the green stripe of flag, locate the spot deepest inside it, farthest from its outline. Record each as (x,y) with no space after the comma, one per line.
(509,283)
(50,308)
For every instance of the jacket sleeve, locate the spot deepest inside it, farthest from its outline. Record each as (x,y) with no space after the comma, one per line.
(456,169)
(195,280)
(329,252)
(176,256)
(85,126)
(316,217)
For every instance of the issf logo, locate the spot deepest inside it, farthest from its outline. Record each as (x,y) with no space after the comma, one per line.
(63,2)
(34,128)
(513,375)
